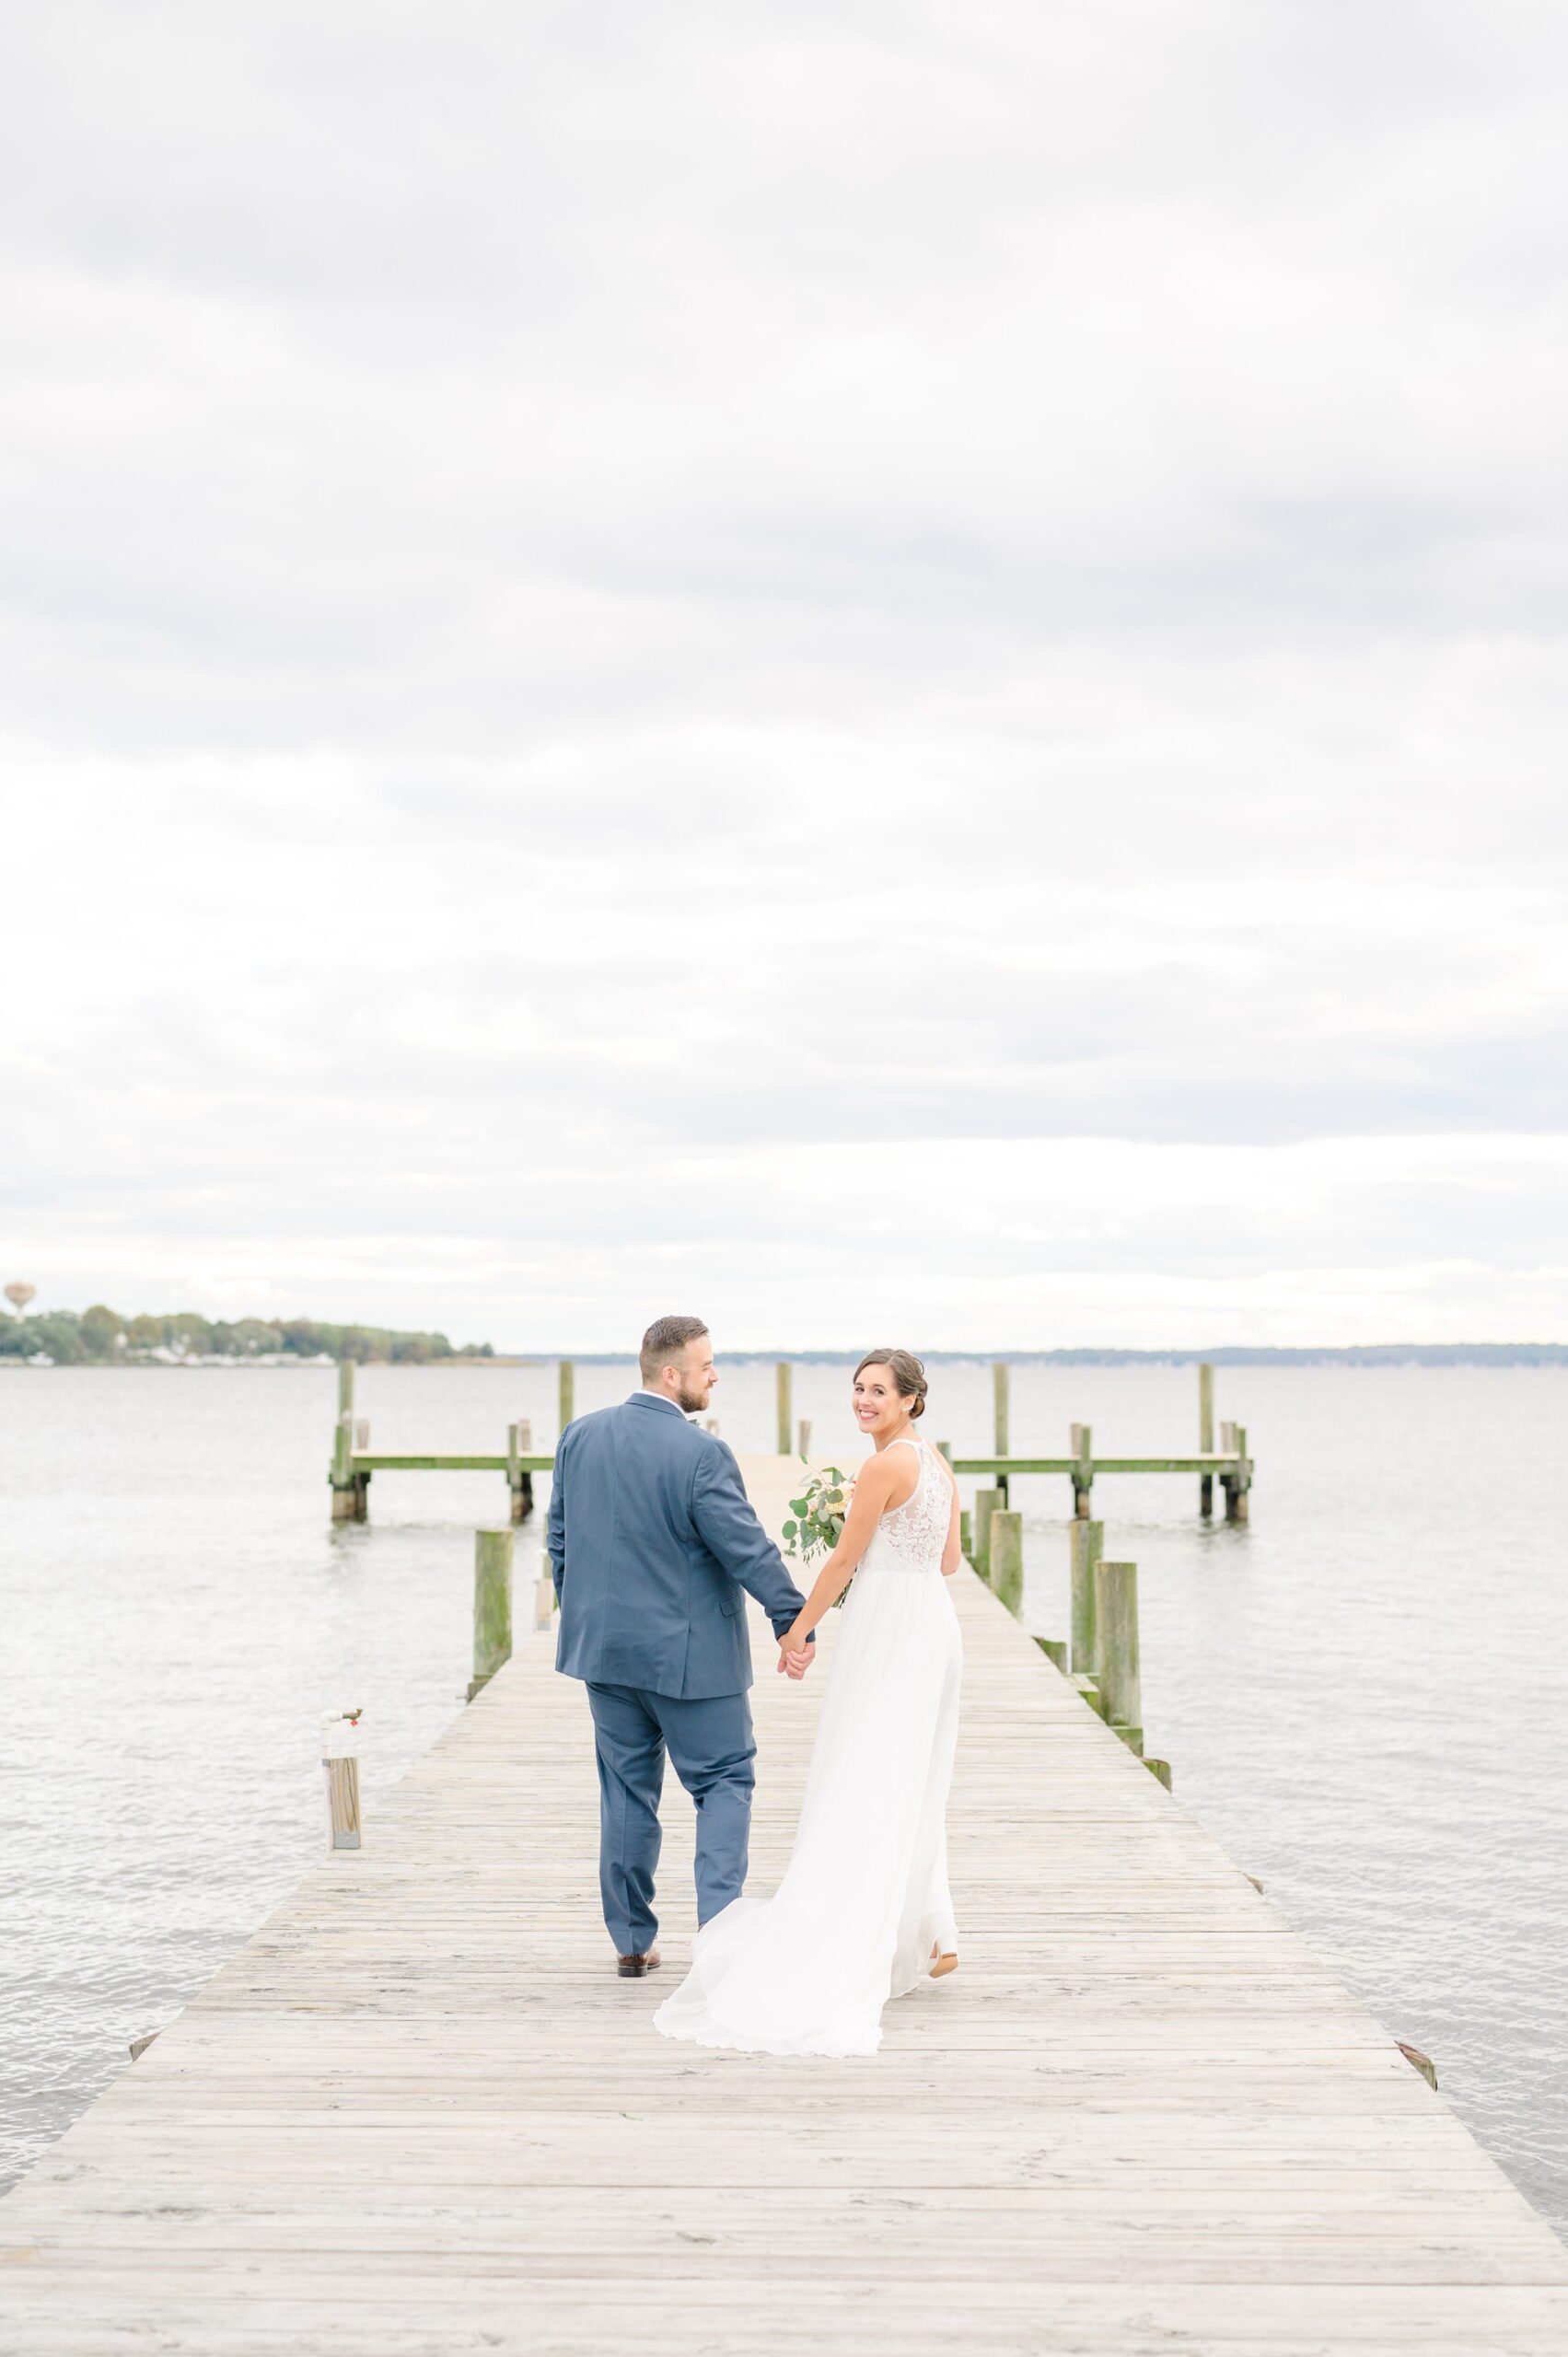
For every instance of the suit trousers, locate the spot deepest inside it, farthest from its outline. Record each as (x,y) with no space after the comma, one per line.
(713,1747)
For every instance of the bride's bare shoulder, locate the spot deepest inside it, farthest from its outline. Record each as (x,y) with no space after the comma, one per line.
(877,1473)
(888,1473)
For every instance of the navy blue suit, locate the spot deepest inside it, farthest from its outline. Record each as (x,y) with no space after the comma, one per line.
(652,1540)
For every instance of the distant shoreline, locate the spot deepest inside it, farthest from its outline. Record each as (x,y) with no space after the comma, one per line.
(1370,1354)
(1234,1354)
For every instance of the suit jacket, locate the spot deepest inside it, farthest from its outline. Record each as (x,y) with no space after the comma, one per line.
(652,1540)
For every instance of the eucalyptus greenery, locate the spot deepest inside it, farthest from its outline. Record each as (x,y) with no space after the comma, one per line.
(818,1516)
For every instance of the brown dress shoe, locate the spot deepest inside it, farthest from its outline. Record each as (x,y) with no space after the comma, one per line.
(632,1968)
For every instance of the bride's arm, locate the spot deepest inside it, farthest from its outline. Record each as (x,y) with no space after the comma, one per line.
(953,1552)
(872,1489)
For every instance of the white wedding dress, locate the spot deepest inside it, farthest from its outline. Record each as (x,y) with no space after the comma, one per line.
(865,1896)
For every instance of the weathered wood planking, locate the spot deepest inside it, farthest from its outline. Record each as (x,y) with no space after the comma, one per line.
(418,2114)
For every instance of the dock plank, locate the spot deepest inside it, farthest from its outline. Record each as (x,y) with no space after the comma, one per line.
(418,2112)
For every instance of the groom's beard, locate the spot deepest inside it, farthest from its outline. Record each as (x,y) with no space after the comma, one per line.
(692,1402)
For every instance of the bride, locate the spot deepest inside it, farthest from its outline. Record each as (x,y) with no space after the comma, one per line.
(863,1912)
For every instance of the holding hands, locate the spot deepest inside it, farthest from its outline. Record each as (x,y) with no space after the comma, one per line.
(795,1654)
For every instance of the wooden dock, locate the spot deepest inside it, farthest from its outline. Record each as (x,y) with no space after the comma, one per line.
(353,1462)
(418,2116)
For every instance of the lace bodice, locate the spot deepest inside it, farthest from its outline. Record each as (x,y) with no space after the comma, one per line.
(910,1538)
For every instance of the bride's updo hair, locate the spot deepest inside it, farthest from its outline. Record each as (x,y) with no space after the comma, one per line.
(907,1373)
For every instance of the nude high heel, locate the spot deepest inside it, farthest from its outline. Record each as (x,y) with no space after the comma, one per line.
(941,1964)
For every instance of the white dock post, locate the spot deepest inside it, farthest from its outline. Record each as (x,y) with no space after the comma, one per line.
(340,1762)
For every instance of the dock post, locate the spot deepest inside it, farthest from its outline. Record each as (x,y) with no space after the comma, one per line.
(783,1373)
(362,1433)
(1116,1624)
(1055,1651)
(492,1605)
(1083,1471)
(1205,1435)
(1007,1560)
(340,1472)
(340,1760)
(351,1491)
(986,1502)
(519,1444)
(1001,1404)
(1239,1488)
(1088,1544)
(544,1591)
(965,1533)
(803,1450)
(565,1393)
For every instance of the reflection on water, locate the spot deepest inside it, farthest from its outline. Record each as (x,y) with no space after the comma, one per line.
(1362,1694)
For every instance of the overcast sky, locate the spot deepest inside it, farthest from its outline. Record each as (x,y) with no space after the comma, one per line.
(891,670)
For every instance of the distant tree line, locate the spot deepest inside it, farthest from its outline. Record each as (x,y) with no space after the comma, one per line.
(100,1336)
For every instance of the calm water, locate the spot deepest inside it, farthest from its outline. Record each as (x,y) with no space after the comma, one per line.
(1364,1695)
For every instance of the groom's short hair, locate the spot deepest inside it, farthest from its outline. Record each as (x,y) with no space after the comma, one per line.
(665,1342)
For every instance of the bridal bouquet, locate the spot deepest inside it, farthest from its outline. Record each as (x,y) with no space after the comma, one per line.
(818,1516)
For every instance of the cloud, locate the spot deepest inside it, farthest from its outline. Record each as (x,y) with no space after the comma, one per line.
(631,636)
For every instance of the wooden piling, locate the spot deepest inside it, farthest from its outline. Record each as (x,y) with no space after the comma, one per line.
(1088,1541)
(492,1605)
(1007,1560)
(342,1473)
(1055,1651)
(1116,1631)
(986,1504)
(1236,1484)
(1237,1501)
(1160,1770)
(1205,1435)
(965,1533)
(565,1393)
(803,1450)
(519,1481)
(1000,1420)
(362,1433)
(1083,1471)
(343,1803)
(782,1388)
(351,1491)
(340,1761)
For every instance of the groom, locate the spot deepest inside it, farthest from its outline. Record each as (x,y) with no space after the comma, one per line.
(652,1540)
